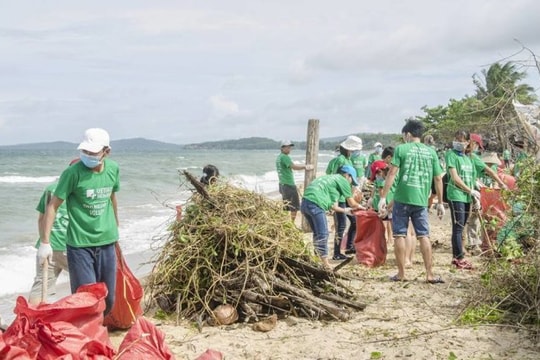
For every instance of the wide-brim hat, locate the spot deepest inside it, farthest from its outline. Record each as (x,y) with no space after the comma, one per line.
(491,158)
(352,143)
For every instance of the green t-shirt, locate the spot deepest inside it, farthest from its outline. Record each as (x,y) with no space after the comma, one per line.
(479,166)
(465,168)
(284,169)
(327,189)
(506,154)
(378,185)
(59,228)
(334,165)
(88,199)
(486,179)
(418,164)
(359,162)
(337,162)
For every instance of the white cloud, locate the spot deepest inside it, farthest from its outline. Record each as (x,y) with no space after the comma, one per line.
(194,71)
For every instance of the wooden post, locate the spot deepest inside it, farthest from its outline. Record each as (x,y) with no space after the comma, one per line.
(312,155)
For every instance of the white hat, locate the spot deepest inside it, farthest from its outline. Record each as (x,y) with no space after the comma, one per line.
(95,140)
(491,158)
(352,143)
(377,144)
(286,143)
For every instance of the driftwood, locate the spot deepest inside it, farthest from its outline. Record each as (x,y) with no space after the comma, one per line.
(235,247)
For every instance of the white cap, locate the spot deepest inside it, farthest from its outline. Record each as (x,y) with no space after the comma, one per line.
(287,143)
(352,143)
(95,140)
(377,144)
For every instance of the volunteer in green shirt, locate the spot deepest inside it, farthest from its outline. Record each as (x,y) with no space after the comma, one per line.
(413,167)
(321,196)
(58,244)
(346,148)
(287,186)
(460,192)
(89,189)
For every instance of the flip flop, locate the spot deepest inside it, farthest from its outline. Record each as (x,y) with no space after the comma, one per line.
(395,278)
(436,280)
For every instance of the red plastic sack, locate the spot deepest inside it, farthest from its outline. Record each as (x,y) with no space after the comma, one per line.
(370,242)
(70,328)
(144,341)
(128,296)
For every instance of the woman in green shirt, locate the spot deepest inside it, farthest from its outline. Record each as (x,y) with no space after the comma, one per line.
(322,195)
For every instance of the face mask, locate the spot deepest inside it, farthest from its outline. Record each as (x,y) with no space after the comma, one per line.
(379,178)
(90,161)
(356,153)
(378,150)
(459,146)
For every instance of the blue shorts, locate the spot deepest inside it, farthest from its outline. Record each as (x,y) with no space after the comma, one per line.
(401,213)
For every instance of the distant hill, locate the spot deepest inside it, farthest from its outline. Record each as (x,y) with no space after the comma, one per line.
(252,143)
(117,145)
(261,143)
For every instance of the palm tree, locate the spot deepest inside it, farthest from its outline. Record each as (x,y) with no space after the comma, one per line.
(498,91)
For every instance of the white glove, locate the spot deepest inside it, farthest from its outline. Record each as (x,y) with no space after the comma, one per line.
(309,167)
(44,253)
(348,211)
(475,194)
(440,210)
(370,202)
(381,207)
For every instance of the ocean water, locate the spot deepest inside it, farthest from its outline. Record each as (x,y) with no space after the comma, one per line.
(150,188)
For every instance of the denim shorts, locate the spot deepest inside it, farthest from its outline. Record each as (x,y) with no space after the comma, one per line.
(418,215)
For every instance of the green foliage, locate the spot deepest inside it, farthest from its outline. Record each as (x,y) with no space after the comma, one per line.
(510,284)
(481,314)
(490,111)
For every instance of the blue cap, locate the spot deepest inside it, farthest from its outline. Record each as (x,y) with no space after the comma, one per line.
(348,169)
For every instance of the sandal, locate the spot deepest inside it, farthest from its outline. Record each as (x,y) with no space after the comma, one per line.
(436,280)
(395,278)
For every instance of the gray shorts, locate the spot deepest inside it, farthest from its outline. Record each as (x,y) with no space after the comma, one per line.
(289,194)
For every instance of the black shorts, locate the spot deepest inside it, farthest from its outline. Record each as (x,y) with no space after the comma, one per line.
(289,194)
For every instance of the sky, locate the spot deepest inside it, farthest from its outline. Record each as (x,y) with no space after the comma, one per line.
(193,71)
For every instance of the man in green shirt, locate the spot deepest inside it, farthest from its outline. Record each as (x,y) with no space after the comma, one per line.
(287,186)
(89,189)
(58,243)
(413,167)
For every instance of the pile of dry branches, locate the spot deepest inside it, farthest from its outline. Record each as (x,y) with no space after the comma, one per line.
(233,246)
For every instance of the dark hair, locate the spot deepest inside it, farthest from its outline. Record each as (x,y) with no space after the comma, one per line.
(388,151)
(463,134)
(344,152)
(210,174)
(414,127)
(428,139)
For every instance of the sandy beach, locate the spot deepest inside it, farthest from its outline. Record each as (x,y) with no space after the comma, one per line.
(410,320)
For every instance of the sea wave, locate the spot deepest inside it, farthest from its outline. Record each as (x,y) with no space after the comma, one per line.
(15,179)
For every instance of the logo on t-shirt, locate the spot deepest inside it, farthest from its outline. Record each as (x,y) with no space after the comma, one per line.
(91,193)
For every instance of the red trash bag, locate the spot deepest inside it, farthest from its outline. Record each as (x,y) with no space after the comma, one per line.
(370,241)
(494,213)
(70,328)
(144,341)
(127,298)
